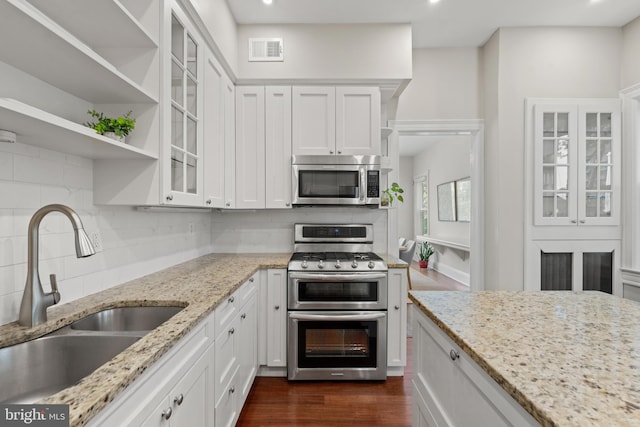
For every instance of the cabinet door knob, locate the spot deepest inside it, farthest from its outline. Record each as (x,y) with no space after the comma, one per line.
(231,300)
(178,399)
(277,307)
(228,204)
(339,152)
(243,316)
(232,331)
(169,197)
(573,221)
(251,280)
(582,221)
(397,307)
(209,202)
(287,204)
(166,414)
(330,151)
(232,390)
(454,354)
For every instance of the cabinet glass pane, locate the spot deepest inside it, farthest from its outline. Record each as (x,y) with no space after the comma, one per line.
(192,146)
(548,151)
(562,154)
(562,177)
(191,175)
(605,125)
(548,205)
(605,151)
(563,124)
(592,125)
(176,83)
(548,178)
(556,271)
(591,152)
(177,39)
(192,56)
(192,95)
(591,178)
(591,204)
(549,125)
(597,271)
(605,204)
(605,177)
(177,139)
(562,205)
(177,170)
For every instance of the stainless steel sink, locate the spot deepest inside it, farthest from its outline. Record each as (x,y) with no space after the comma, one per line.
(126,319)
(42,367)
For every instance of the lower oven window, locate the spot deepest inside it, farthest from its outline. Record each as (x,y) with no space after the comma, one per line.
(337,344)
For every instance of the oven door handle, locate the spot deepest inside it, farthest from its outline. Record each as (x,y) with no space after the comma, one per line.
(334,316)
(336,277)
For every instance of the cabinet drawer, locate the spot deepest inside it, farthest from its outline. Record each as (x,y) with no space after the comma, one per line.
(226,312)
(226,363)
(226,410)
(247,290)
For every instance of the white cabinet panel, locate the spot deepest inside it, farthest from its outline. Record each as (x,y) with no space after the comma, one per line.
(229,94)
(278,147)
(247,347)
(214,132)
(277,318)
(314,120)
(397,317)
(358,120)
(250,147)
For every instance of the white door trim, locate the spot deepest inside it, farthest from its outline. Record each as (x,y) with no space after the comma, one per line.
(474,128)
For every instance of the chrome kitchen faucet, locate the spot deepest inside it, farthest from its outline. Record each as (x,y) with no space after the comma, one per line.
(33,309)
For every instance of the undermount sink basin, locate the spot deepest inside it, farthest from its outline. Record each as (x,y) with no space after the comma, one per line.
(42,367)
(126,319)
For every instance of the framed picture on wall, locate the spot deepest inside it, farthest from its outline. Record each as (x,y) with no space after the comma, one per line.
(463,199)
(447,201)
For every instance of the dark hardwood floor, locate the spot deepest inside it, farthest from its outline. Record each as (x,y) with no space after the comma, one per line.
(278,402)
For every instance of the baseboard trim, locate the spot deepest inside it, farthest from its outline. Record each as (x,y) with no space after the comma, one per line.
(453,273)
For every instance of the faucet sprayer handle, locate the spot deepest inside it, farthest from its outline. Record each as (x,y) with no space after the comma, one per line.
(54,288)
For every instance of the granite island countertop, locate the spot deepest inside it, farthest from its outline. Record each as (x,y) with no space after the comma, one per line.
(199,285)
(569,358)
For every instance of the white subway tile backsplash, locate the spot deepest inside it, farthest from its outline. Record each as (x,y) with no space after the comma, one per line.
(38,170)
(6,166)
(13,250)
(9,307)
(78,176)
(17,195)
(6,222)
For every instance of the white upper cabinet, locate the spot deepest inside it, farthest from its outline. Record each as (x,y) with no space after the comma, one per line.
(278,146)
(314,120)
(229,94)
(342,120)
(214,132)
(183,148)
(358,120)
(577,163)
(250,147)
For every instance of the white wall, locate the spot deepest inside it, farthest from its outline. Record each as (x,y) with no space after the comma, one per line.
(445,85)
(444,161)
(272,230)
(630,57)
(406,210)
(135,243)
(222,26)
(330,51)
(534,62)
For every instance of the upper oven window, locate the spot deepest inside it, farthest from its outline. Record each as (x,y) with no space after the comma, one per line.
(328,184)
(337,291)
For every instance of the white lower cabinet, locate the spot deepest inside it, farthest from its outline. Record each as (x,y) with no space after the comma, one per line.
(450,389)
(397,318)
(276,326)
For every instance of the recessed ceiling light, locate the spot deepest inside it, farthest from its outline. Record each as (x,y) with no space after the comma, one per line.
(267,1)
(434,1)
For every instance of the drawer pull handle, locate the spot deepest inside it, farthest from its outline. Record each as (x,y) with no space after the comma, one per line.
(166,414)
(243,316)
(232,390)
(178,399)
(231,300)
(454,354)
(251,280)
(277,307)
(232,331)
(169,198)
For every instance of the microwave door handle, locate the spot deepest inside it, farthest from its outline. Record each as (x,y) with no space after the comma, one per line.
(337,317)
(363,185)
(336,277)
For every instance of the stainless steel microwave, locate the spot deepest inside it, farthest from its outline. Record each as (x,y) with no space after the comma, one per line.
(336,180)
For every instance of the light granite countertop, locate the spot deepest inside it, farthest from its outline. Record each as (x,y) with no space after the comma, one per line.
(199,285)
(569,358)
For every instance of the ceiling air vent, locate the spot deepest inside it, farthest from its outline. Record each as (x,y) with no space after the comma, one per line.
(266,49)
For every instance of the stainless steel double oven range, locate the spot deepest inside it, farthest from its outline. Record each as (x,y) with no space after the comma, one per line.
(337,305)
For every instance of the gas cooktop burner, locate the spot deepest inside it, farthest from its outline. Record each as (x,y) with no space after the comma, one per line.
(336,261)
(334,256)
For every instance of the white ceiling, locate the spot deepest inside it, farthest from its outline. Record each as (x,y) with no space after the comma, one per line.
(445,24)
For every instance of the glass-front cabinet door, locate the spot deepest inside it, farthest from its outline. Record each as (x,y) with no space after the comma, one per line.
(183,178)
(577,164)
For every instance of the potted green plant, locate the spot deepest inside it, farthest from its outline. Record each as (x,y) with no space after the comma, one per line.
(392,193)
(426,250)
(117,128)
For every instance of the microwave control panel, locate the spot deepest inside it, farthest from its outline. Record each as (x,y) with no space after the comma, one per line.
(373,184)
